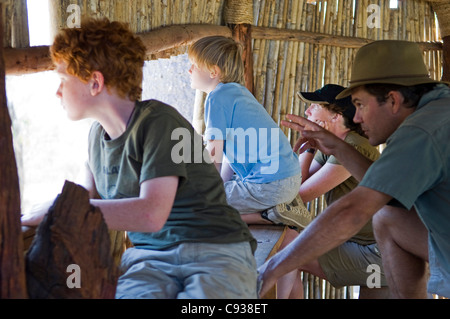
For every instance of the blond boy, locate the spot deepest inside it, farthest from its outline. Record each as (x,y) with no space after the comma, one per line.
(260,171)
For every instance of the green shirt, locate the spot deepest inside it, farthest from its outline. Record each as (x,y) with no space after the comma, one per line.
(151,148)
(365,235)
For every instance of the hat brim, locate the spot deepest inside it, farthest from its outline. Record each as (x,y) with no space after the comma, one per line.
(310,97)
(396,81)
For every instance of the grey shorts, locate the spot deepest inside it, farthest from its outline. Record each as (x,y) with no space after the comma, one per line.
(250,198)
(189,271)
(353,264)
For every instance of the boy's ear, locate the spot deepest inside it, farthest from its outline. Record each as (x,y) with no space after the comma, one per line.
(97,83)
(335,117)
(215,72)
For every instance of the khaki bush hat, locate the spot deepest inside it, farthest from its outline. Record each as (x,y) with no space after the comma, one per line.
(388,62)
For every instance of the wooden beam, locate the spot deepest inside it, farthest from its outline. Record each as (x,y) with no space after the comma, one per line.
(169,37)
(12,266)
(322,38)
(36,59)
(27,60)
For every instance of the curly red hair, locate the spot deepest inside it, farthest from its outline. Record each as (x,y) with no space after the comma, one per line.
(104,46)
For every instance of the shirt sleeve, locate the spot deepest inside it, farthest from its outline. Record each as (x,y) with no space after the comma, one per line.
(409,166)
(321,158)
(164,146)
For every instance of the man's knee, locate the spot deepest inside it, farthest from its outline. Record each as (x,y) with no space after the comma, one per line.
(402,226)
(385,219)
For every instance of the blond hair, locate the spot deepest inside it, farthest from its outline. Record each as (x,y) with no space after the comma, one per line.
(222,52)
(108,47)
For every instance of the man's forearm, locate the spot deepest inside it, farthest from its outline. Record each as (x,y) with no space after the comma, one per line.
(329,229)
(339,222)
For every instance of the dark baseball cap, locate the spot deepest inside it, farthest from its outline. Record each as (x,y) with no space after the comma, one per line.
(327,95)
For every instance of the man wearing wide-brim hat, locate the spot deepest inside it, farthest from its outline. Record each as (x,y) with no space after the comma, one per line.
(407,190)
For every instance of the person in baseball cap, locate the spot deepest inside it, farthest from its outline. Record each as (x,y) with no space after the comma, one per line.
(326,97)
(406,191)
(322,174)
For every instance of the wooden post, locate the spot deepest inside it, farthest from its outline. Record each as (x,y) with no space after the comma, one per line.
(442,10)
(12,267)
(446,55)
(242,34)
(239,18)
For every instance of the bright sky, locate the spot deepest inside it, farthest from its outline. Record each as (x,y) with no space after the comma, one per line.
(39,22)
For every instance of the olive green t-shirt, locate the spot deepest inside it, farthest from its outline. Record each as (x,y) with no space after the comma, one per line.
(365,235)
(160,142)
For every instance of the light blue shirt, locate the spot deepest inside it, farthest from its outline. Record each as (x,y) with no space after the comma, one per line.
(255,146)
(414,168)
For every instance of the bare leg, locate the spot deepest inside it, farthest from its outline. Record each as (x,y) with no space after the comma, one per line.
(297,289)
(255,218)
(286,283)
(403,243)
(290,285)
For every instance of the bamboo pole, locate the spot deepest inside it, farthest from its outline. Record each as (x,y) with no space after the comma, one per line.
(269,65)
(386,22)
(15,24)
(393,25)
(280,70)
(268,11)
(284,90)
(298,71)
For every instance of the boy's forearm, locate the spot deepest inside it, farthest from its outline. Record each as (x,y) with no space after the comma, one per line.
(356,163)
(146,213)
(305,160)
(130,214)
(316,136)
(36,214)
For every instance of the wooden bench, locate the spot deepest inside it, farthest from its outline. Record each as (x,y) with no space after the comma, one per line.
(269,238)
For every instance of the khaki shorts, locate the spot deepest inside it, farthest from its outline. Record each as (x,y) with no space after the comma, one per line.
(348,265)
